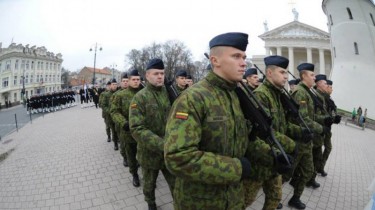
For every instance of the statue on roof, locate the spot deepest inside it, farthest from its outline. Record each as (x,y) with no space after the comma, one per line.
(265,26)
(295,13)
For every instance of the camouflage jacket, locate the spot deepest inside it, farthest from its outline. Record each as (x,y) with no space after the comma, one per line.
(179,89)
(206,134)
(303,98)
(147,118)
(320,115)
(116,109)
(104,102)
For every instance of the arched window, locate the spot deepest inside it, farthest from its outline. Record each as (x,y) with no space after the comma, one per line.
(372,19)
(349,13)
(330,18)
(356,48)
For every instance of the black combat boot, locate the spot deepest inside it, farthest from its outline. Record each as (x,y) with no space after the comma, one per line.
(280,206)
(312,183)
(125,163)
(296,203)
(323,173)
(116,145)
(152,207)
(136,180)
(109,139)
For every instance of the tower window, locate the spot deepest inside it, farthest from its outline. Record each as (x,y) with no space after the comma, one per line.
(330,18)
(372,19)
(349,13)
(356,48)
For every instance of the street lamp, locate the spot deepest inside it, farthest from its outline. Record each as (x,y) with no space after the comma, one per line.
(113,66)
(96,47)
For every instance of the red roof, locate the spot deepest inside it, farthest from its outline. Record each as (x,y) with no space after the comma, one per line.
(97,70)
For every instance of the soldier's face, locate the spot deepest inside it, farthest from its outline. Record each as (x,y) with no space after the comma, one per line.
(229,63)
(113,86)
(253,80)
(155,77)
(278,76)
(329,89)
(322,86)
(189,82)
(308,78)
(124,82)
(181,81)
(134,81)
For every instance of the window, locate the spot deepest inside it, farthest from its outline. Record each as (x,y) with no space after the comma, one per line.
(15,80)
(15,97)
(37,78)
(31,78)
(38,65)
(7,65)
(50,66)
(27,65)
(5,82)
(41,65)
(23,64)
(356,48)
(27,79)
(330,17)
(31,92)
(349,13)
(32,64)
(16,65)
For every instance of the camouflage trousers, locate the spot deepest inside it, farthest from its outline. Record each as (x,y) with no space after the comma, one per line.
(149,179)
(122,140)
(303,168)
(318,160)
(131,153)
(272,189)
(327,148)
(114,132)
(107,126)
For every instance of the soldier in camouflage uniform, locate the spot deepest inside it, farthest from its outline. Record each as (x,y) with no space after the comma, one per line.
(269,95)
(120,114)
(107,106)
(304,161)
(206,133)
(180,81)
(103,98)
(147,118)
(117,114)
(252,78)
(189,80)
(322,116)
(331,108)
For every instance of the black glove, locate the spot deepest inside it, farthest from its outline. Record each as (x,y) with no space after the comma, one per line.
(126,127)
(328,121)
(326,130)
(282,166)
(337,119)
(246,168)
(307,135)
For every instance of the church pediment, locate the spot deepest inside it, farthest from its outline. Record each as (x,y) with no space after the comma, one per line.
(296,30)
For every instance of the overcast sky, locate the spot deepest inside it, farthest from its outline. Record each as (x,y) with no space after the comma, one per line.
(71,27)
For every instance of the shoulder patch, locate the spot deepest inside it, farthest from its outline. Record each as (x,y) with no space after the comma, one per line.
(182,115)
(133,106)
(302,102)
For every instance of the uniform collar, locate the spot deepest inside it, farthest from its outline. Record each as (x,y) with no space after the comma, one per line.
(268,84)
(216,80)
(152,87)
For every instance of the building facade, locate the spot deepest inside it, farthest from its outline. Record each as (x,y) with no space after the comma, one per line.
(299,43)
(352,29)
(25,71)
(86,75)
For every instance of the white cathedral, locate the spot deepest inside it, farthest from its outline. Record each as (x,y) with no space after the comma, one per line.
(346,54)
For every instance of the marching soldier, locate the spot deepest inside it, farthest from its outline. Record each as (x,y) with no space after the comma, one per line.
(292,85)
(206,133)
(103,103)
(117,111)
(147,118)
(252,78)
(304,161)
(180,81)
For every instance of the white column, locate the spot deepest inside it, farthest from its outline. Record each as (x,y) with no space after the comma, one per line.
(322,62)
(267,51)
(291,61)
(309,55)
(278,52)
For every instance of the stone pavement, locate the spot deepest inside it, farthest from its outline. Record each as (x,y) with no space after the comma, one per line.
(62,161)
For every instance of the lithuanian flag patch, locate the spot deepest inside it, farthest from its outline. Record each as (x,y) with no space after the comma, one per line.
(302,102)
(182,115)
(133,106)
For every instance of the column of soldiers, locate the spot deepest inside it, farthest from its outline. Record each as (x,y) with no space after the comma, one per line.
(211,154)
(50,102)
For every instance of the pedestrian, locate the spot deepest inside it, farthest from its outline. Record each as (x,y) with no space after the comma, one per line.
(207,135)
(148,113)
(354,114)
(359,114)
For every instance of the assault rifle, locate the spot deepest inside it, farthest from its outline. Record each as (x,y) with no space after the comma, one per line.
(172,92)
(292,108)
(262,122)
